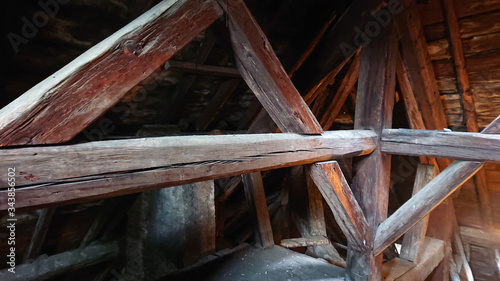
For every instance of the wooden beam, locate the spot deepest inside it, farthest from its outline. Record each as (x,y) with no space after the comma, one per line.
(433,254)
(413,240)
(374,106)
(481,237)
(102,220)
(338,195)
(48,267)
(345,88)
(467,103)
(82,90)
(262,71)
(256,201)
(304,242)
(223,93)
(110,168)
(39,234)
(456,145)
(203,69)
(435,192)
(419,68)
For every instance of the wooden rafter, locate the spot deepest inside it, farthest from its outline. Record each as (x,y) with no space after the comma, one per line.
(338,195)
(111,168)
(85,88)
(262,71)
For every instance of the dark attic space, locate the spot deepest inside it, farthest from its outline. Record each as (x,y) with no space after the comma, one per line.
(250,140)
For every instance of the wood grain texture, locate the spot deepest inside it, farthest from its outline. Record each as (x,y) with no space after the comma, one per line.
(433,254)
(340,97)
(339,197)
(109,168)
(456,145)
(256,201)
(481,237)
(40,232)
(413,240)
(374,107)
(304,242)
(264,74)
(435,192)
(59,107)
(203,69)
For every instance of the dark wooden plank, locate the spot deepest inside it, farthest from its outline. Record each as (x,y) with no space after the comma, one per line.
(338,195)
(413,240)
(456,145)
(101,221)
(48,267)
(262,71)
(203,69)
(70,99)
(223,93)
(127,166)
(39,234)
(256,201)
(374,106)
(345,88)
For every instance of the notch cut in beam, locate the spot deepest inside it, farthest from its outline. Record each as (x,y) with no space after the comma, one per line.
(456,145)
(109,168)
(333,186)
(86,87)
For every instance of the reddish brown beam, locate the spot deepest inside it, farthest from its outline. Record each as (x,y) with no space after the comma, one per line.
(256,201)
(338,195)
(468,103)
(203,69)
(262,71)
(345,88)
(374,106)
(82,90)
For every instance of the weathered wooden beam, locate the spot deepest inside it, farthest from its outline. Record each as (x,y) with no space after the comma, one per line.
(481,237)
(308,214)
(203,69)
(262,71)
(304,242)
(48,267)
(456,145)
(40,232)
(435,192)
(338,195)
(223,93)
(433,254)
(467,103)
(374,107)
(256,201)
(413,240)
(345,88)
(82,90)
(110,168)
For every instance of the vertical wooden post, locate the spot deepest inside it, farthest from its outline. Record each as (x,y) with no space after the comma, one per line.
(256,200)
(374,106)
